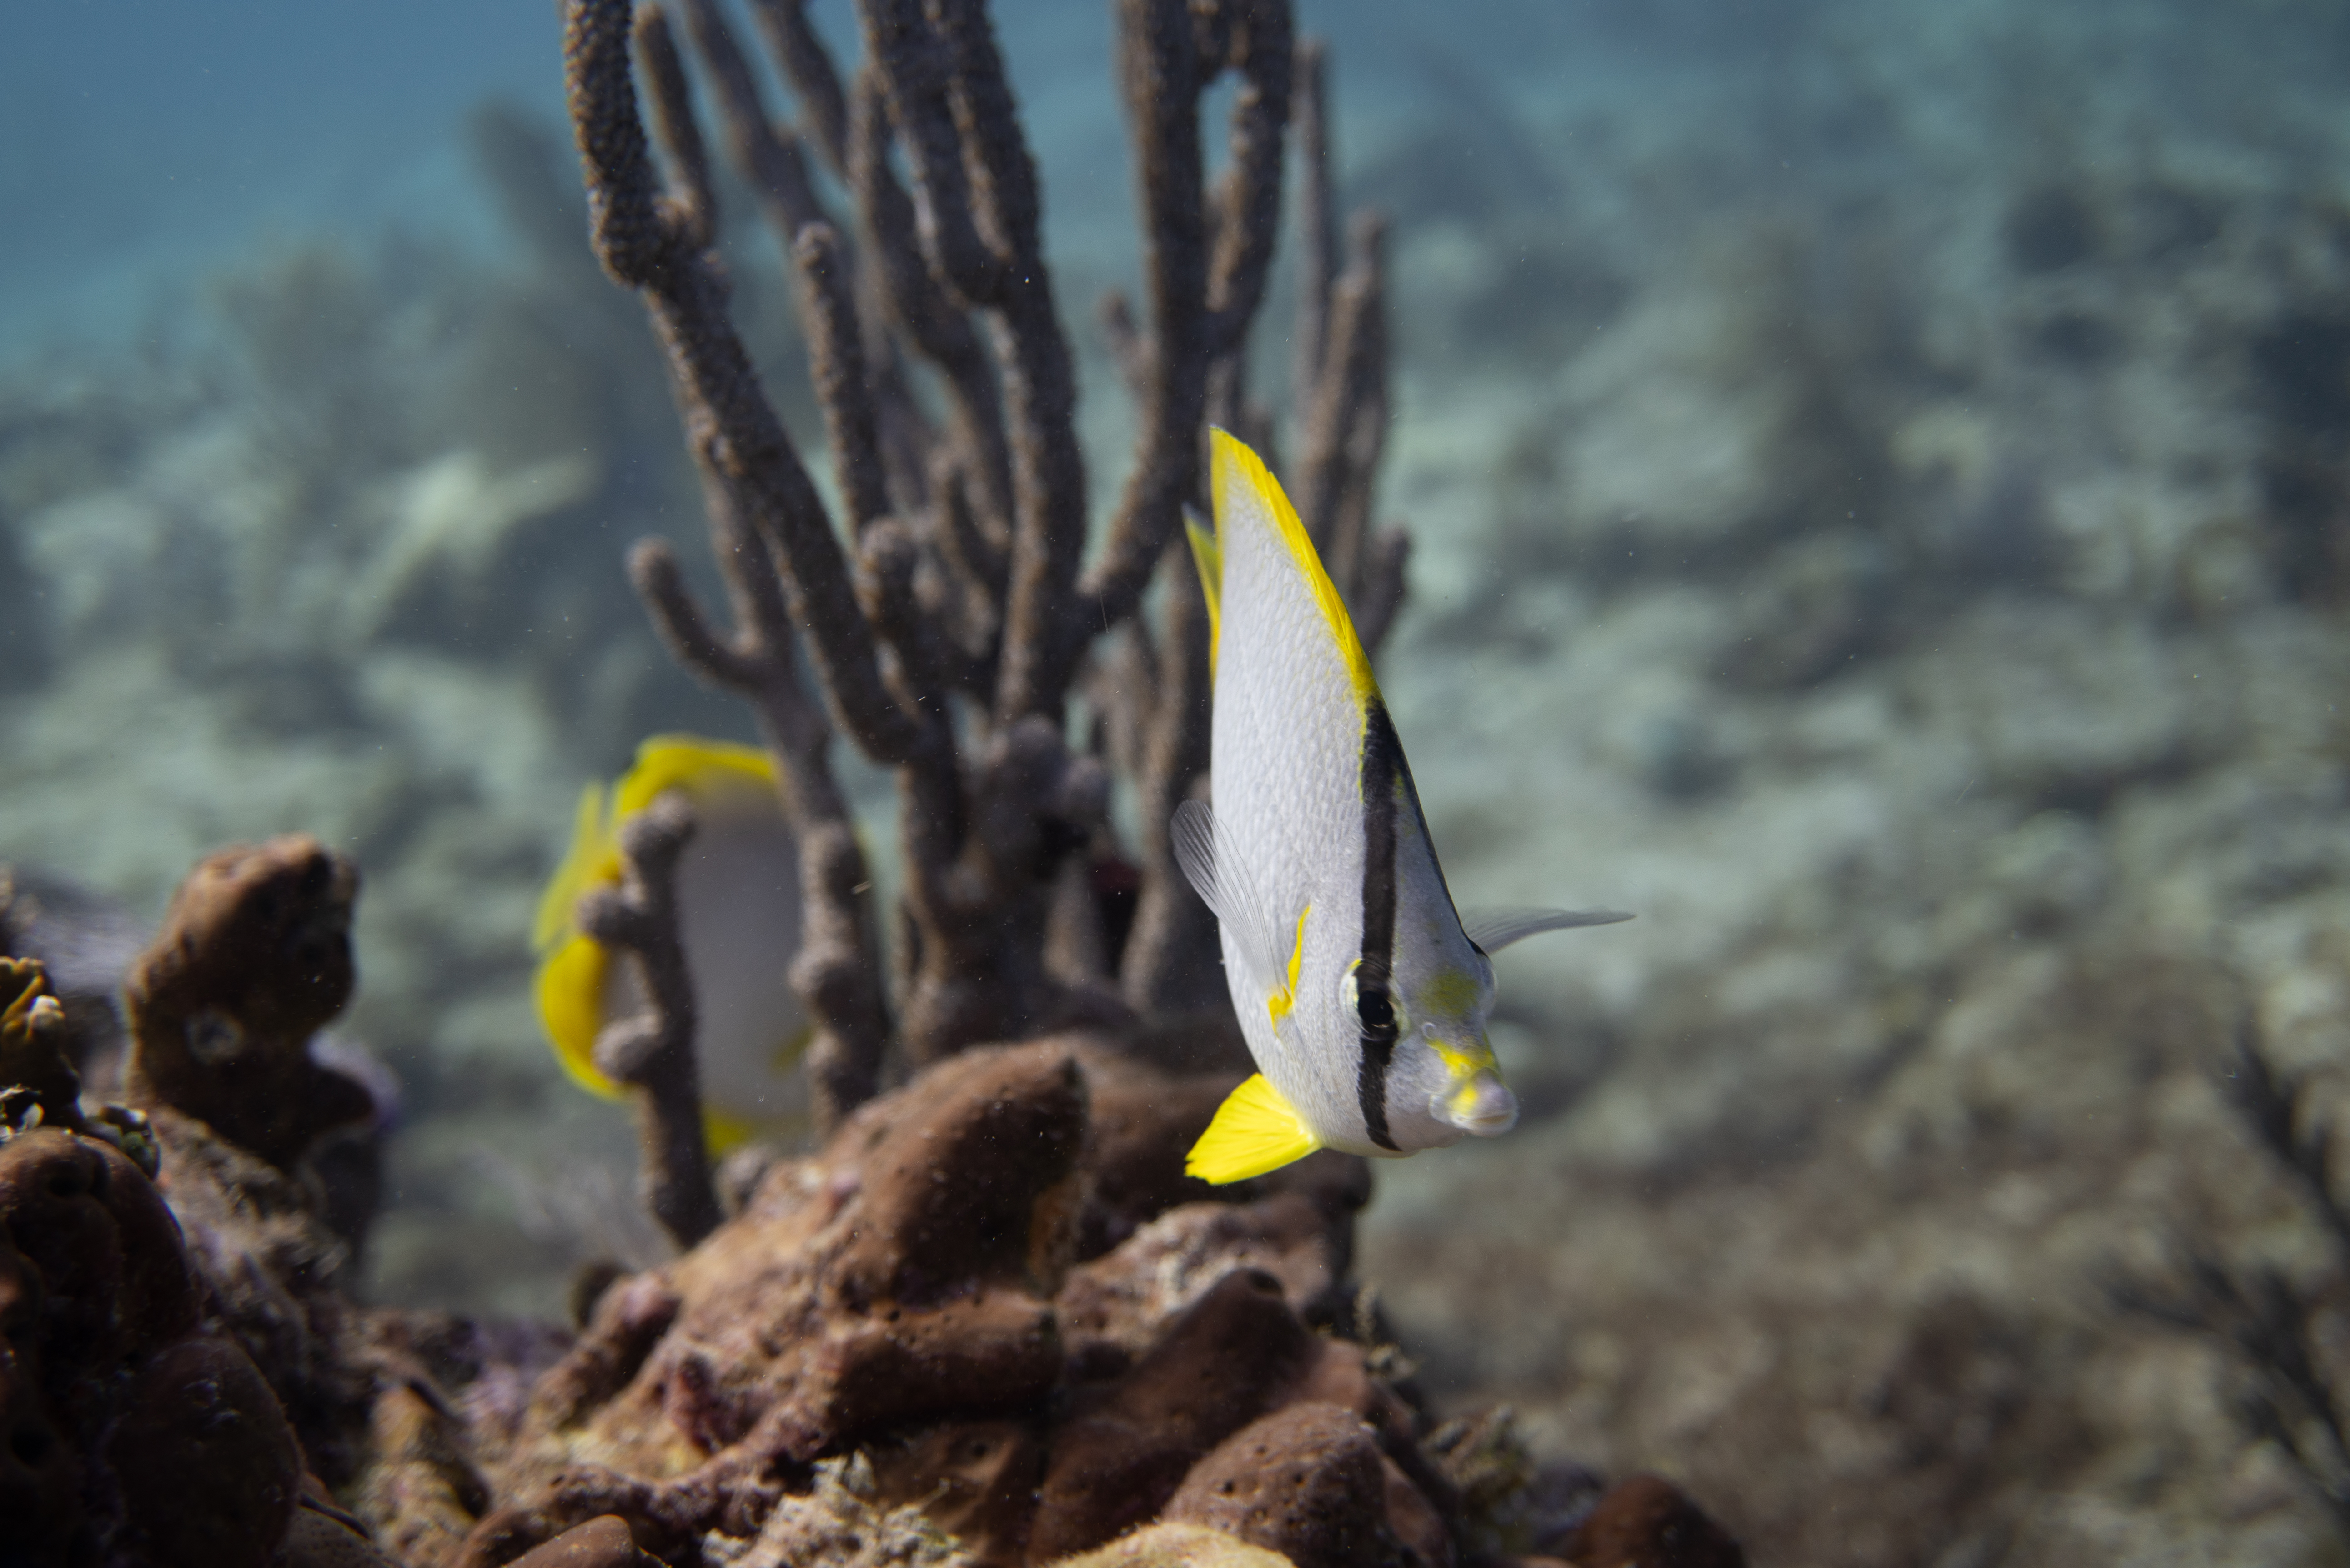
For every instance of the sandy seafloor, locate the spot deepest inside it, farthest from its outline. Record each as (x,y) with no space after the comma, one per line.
(1880,476)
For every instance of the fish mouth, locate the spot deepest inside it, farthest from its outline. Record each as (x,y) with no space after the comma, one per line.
(1482,1107)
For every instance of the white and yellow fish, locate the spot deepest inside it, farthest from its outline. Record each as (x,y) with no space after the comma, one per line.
(738,897)
(1362,994)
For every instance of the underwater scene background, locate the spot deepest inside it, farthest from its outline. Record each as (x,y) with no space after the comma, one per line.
(1879,485)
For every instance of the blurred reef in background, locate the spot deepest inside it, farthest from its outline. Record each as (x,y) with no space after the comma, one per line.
(1879,509)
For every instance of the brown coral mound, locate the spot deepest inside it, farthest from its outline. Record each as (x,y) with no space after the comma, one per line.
(255,958)
(915,1276)
(1306,1482)
(132,1427)
(1648,1520)
(906,1303)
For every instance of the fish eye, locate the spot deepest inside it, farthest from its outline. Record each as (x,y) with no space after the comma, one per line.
(1373,1009)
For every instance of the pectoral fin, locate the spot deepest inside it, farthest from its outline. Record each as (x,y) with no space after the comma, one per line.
(1225,885)
(1493,929)
(1256,1130)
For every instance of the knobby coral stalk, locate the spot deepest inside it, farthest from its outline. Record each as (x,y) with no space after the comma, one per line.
(975,852)
(837,972)
(945,628)
(979,218)
(1205,266)
(652,1051)
(761,506)
(1201,299)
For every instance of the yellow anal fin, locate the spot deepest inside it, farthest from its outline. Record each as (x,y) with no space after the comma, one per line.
(1256,1130)
(1282,1002)
(1210,560)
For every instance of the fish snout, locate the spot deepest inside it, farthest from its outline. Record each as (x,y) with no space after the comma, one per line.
(1482,1108)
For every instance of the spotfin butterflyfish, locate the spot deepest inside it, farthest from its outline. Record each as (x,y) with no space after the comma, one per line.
(1361,992)
(738,901)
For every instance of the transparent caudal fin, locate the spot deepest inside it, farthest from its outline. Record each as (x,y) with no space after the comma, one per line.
(1256,1130)
(1493,929)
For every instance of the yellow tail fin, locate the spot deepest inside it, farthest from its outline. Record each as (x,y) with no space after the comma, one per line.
(1256,1130)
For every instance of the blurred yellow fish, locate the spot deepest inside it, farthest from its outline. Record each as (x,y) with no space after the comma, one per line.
(1362,993)
(738,898)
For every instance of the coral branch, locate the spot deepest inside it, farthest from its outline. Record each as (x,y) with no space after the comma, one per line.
(1200,308)
(2266,1322)
(2300,1141)
(732,428)
(767,151)
(652,1051)
(837,361)
(1257,45)
(977,215)
(936,326)
(1317,225)
(1171,963)
(1345,419)
(1381,586)
(685,630)
(809,68)
(837,975)
(674,125)
(2258,1314)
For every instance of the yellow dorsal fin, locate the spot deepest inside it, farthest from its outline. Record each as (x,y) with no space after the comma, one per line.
(1256,1130)
(1211,563)
(686,762)
(1230,462)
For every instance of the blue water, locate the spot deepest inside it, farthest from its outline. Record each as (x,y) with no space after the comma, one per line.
(151,145)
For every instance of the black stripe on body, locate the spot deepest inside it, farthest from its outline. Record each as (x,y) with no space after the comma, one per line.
(1383,770)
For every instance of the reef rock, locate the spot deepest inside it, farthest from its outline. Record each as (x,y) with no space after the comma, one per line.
(1306,1481)
(134,1430)
(892,1354)
(1647,1520)
(1178,1546)
(255,958)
